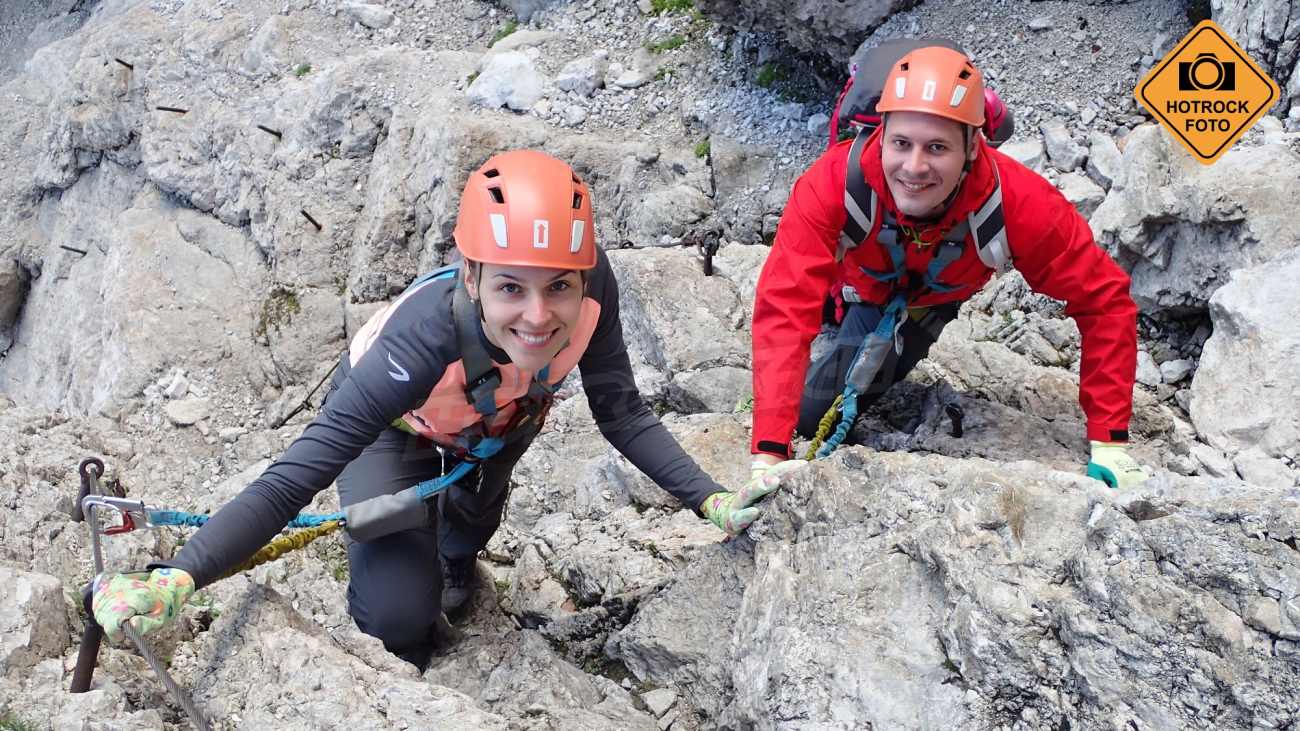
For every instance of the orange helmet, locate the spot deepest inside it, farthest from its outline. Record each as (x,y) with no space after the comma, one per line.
(526,208)
(935,80)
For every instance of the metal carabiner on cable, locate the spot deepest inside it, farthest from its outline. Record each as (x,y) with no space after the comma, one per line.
(134,514)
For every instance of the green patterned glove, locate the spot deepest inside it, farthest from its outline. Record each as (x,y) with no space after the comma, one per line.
(147,604)
(1111,464)
(734,511)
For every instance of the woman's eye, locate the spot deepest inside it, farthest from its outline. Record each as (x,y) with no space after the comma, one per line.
(510,288)
(560,286)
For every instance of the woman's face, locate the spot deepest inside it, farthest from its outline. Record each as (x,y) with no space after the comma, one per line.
(528,312)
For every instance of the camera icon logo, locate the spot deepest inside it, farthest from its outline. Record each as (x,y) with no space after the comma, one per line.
(1207,73)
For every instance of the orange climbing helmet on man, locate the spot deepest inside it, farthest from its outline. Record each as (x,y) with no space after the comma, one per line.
(526,208)
(936,80)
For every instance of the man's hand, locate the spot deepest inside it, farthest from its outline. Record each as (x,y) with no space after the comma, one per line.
(734,511)
(1112,465)
(147,602)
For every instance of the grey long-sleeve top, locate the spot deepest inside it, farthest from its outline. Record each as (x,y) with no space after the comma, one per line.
(420,334)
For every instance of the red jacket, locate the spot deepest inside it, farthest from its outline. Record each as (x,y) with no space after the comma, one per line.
(1050,243)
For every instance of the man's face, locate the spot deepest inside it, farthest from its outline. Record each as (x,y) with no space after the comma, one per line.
(922,157)
(527,311)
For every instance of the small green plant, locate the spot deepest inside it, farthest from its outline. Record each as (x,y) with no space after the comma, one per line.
(744,406)
(667,44)
(663,72)
(671,6)
(11,722)
(277,310)
(502,586)
(471,78)
(204,600)
(510,27)
(702,149)
(769,74)
(302,70)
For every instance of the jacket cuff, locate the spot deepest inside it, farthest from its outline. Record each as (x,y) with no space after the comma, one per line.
(776,449)
(1099,433)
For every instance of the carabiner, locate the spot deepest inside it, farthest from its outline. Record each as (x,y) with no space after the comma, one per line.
(133,512)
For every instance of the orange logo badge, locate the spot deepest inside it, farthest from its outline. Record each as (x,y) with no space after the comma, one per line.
(1207,92)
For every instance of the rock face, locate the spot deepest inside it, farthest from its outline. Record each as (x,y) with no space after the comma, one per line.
(1250,357)
(34,626)
(935,601)
(704,352)
(1180,227)
(1270,32)
(835,29)
(13,291)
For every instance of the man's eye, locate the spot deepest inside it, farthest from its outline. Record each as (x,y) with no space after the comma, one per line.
(938,149)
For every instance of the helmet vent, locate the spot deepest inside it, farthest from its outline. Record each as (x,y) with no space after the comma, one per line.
(577,201)
(965,74)
(497,195)
(491,173)
(903,66)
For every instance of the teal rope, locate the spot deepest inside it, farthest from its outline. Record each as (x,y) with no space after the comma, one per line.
(848,412)
(196,520)
(486,447)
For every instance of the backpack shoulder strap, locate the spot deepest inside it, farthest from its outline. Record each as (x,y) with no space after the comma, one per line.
(482,378)
(860,200)
(988,228)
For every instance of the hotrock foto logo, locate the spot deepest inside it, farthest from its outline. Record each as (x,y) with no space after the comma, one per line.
(1207,92)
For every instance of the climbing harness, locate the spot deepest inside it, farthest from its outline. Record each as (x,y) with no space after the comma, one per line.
(986,227)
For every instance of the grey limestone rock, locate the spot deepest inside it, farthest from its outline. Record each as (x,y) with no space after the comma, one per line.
(1173,371)
(370,15)
(34,625)
(1270,32)
(1181,228)
(507,79)
(1028,152)
(1082,193)
(677,319)
(858,568)
(1148,373)
(525,9)
(1104,159)
(834,29)
(1250,357)
(1064,153)
(584,76)
(188,412)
